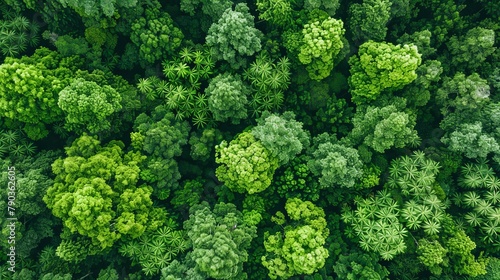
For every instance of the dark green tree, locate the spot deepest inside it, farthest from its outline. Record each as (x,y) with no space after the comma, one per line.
(234,36)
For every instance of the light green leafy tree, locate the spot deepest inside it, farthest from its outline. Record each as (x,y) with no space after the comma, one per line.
(299,249)
(322,42)
(278,12)
(95,193)
(88,105)
(29,90)
(246,166)
(381,66)
(234,36)
(432,255)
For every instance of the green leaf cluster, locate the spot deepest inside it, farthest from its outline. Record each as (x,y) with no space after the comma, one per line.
(297,181)
(479,196)
(227,98)
(202,144)
(156,36)
(321,43)
(220,240)
(336,165)
(95,193)
(381,128)
(160,137)
(281,135)
(88,105)
(155,250)
(29,90)
(381,66)
(246,166)
(16,34)
(358,265)
(471,50)
(299,248)
(277,12)
(234,36)
(368,20)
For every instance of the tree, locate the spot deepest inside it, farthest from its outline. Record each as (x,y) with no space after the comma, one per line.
(471,50)
(381,66)
(297,180)
(299,249)
(281,135)
(245,164)
(95,193)
(415,178)
(383,128)
(276,12)
(432,254)
(268,81)
(155,249)
(32,177)
(156,36)
(329,6)
(213,9)
(16,34)
(88,105)
(160,137)
(368,21)
(375,221)
(322,42)
(220,240)
(227,98)
(29,88)
(359,265)
(203,142)
(471,140)
(336,165)
(96,9)
(234,36)
(479,198)
(463,95)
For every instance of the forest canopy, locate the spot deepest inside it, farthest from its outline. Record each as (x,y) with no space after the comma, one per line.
(260,139)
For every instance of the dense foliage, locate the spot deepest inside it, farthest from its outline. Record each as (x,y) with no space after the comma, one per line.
(260,139)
